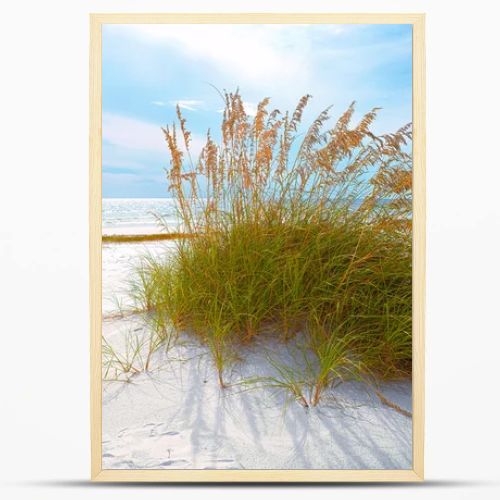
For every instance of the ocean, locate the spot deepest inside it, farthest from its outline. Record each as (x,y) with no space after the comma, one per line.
(142,215)
(138,215)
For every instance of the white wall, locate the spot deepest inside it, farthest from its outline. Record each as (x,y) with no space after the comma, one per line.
(44,366)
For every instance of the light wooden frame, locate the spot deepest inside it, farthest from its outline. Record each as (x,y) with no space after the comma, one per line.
(415,474)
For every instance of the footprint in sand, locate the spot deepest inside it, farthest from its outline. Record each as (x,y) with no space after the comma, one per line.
(155,445)
(170,463)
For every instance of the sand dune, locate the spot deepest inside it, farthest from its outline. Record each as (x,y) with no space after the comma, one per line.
(176,416)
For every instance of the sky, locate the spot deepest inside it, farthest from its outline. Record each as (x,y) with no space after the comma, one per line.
(148,69)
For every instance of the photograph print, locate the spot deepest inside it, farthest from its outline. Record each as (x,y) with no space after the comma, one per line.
(256,247)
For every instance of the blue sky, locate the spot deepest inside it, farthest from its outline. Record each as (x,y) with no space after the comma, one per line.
(147,69)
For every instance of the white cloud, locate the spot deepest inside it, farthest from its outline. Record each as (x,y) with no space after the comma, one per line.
(247,52)
(130,133)
(191,105)
(250,108)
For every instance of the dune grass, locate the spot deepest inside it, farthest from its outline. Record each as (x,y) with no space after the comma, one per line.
(141,238)
(306,232)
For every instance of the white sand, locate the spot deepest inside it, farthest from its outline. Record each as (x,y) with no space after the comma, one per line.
(118,263)
(176,416)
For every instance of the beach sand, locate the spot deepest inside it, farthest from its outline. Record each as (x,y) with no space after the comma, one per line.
(175,416)
(118,263)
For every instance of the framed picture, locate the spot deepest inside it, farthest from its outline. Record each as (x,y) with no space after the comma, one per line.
(257,247)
